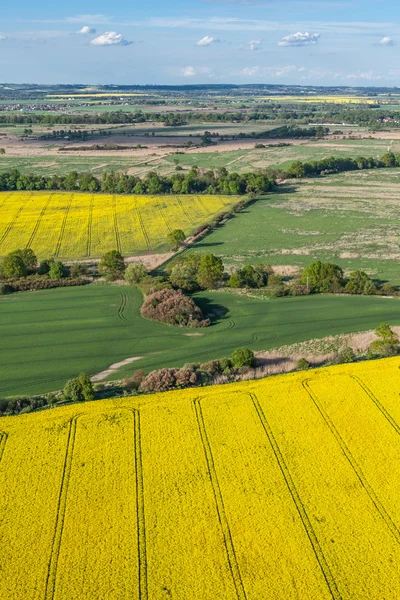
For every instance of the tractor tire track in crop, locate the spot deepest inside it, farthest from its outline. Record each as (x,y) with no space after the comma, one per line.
(144,232)
(355,466)
(89,230)
(10,225)
(5,199)
(122,307)
(37,224)
(219,502)
(63,226)
(60,515)
(203,206)
(375,400)
(183,209)
(162,212)
(140,513)
(116,230)
(330,581)
(3,441)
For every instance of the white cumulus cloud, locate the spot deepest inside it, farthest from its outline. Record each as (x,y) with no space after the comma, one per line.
(387,41)
(86,30)
(254,45)
(188,72)
(300,39)
(110,38)
(207,41)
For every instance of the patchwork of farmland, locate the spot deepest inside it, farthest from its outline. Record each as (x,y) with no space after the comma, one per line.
(51,336)
(350,219)
(79,225)
(277,489)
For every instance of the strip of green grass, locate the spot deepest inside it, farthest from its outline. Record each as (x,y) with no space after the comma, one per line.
(53,335)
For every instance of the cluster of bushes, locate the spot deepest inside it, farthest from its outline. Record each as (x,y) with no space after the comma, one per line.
(192,375)
(321,277)
(211,182)
(20,271)
(334,164)
(173,307)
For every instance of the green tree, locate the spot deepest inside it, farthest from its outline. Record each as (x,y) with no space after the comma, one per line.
(176,238)
(183,273)
(78,389)
(135,272)
(73,390)
(357,282)
(29,258)
(112,265)
(86,386)
(387,343)
(322,277)
(57,270)
(12,266)
(235,280)
(242,357)
(210,272)
(296,170)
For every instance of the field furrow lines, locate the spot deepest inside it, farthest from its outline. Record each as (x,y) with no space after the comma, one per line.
(378,404)
(219,502)
(140,513)
(60,515)
(10,225)
(38,222)
(63,225)
(89,230)
(182,206)
(3,441)
(355,466)
(330,580)
(142,227)
(116,230)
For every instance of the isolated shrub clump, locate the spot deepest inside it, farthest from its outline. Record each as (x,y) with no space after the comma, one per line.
(169,379)
(174,308)
(79,389)
(303,364)
(387,343)
(242,357)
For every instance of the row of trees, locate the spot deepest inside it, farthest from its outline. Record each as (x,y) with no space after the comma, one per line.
(334,164)
(211,182)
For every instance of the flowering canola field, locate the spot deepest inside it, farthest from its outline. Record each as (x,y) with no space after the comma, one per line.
(286,488)
(81,225)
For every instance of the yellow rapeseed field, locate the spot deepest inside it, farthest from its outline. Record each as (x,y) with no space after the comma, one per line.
(81,225)
(281,489)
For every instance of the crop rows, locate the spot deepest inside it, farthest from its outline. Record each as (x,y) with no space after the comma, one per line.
(269,489)
(83,225)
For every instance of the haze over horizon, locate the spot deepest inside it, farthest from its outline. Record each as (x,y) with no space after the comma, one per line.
(305,42)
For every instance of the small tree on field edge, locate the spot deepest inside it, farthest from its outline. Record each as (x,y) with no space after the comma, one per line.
(176,238)
(112,265)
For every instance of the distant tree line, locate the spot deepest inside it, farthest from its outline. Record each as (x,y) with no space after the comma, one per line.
(211,182)
(334,164)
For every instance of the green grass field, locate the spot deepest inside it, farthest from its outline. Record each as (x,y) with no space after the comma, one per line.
(282,157)
(52,335)
(351,219)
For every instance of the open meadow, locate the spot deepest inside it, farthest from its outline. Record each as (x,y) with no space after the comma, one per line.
(351,219)
(74,226)
(53,335)
(279,489)
(163,152)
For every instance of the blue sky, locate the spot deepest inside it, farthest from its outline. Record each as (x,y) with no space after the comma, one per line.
(342,42)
